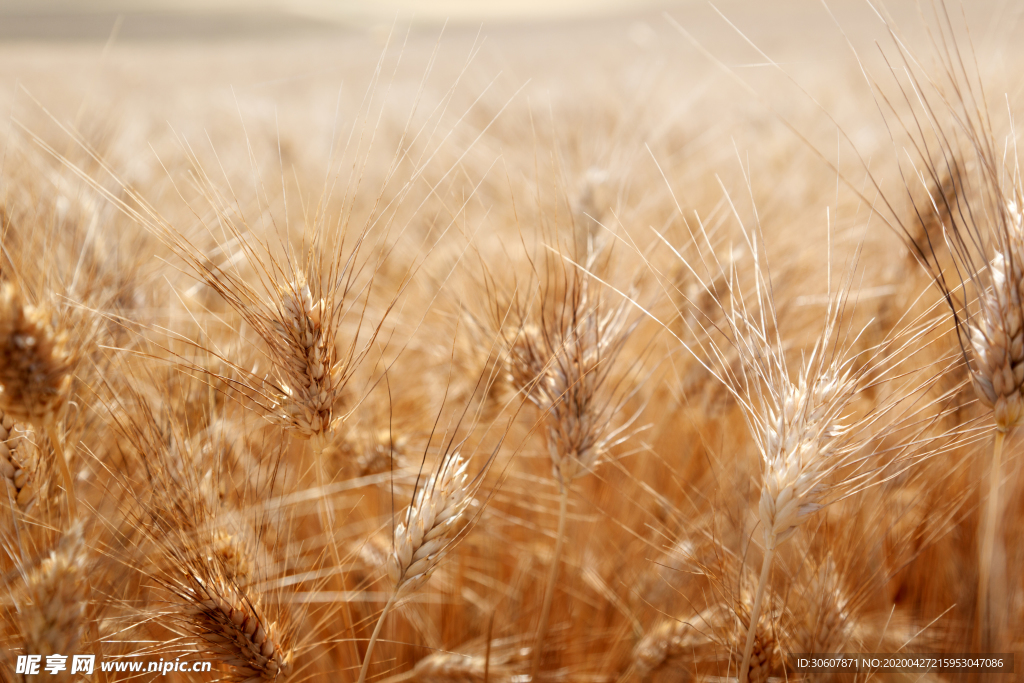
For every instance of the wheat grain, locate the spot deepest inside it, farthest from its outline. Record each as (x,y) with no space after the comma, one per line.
(16,466)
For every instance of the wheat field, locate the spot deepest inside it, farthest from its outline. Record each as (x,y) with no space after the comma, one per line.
(631,346)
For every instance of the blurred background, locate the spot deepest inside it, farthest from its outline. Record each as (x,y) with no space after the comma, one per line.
(140,19)
(607,79)
(190,19)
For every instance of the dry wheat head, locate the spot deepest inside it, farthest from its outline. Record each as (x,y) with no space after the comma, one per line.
(35,360)
(431,524)
(232,553)
(704,643)
(52,612)
(823,623)
(305,360)
(798,442)
(674,640)
(997,336)
(563,366)
(233,627)
(453,667)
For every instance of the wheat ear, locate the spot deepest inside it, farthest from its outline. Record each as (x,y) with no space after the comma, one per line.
(563,365)
(52,616)
(699,641)
(427,534)
(495,662)
(236,631)
(35,373)
(673,639)
(454,667)
(997,339)
(306,354)
(798,443)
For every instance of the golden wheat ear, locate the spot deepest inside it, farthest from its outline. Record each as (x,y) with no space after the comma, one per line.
(432,525)
(676,643)
(805,422)
(53,602)
(305,354)
(966,161)
(235,629)
(36,366)
(704,644)
(431,522)
(563,354)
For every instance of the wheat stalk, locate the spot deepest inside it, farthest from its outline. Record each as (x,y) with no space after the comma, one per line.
(973,192)
(563,363)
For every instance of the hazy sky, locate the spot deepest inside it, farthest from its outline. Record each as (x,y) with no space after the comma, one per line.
(344,9)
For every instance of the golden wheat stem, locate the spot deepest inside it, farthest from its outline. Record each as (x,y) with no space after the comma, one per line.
(327,522)
(989,533)
(326,513)
(65,471)
(549,590)
(755,609)
(373,638)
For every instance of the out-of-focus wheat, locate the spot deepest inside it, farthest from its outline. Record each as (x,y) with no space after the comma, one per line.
(53,605)
(37,361)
